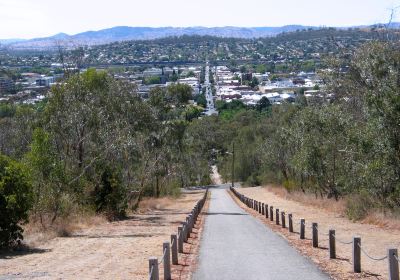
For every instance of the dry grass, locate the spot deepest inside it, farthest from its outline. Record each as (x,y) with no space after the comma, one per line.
(382,220)
(375,217)
(330,205)
(36,234)
(154,204)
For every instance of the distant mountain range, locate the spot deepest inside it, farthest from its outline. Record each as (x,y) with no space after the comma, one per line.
(125,33)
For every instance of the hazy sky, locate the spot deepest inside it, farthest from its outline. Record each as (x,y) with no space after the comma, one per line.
(35,18)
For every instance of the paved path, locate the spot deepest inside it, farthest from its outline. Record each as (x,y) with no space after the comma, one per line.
(235,245)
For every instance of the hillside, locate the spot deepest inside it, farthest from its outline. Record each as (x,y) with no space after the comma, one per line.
(125,33)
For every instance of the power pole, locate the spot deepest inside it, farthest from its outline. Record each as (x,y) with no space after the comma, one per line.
(233,164)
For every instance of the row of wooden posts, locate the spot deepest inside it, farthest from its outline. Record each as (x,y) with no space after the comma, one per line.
(280,219)
(172,249)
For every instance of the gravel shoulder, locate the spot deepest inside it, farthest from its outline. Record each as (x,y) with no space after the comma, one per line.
(117,250)
(375,239)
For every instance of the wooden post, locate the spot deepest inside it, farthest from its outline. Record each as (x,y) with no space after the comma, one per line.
(393,264)
(263,209)
(290,216)
(167,261)
(315,235)
(185,232)
(188,224)
(356,254)
(266,211)
(283,220)
(302,228)
(277,216)
(271,213)
(191,219)
(153,268)
(174,249)
(332,244)
(180,239)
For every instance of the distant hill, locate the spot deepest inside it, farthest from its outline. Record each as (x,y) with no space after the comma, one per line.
(125,33)
(10,41)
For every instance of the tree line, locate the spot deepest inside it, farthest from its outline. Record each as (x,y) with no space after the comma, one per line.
(94,145)
(344,143)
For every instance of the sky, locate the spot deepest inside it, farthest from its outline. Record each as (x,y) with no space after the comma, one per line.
(41,18)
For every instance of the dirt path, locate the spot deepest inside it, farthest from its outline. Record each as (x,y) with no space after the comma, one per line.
(118,250)
(374,239)
(215,176)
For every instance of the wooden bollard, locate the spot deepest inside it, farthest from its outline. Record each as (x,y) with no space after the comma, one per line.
(332,244)
(180,239)
(266,211)
(188,224)
(191,218)
(174,249)
(259,207)
(302,228)
(277,216)
(283,220)
(356,254)
(393,264)
(263,209)
(290,217)
(185,231)
(315,235)
(167,261)
(153,269)
(271,213)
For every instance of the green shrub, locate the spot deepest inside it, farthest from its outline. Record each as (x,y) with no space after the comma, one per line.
(290,185)
(110,194)
(253,180)
(358,206)
(15,201)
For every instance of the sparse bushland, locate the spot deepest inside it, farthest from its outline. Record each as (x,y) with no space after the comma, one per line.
(346,147)
(94,146)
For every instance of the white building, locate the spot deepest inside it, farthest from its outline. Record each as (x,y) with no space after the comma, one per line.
(152,72)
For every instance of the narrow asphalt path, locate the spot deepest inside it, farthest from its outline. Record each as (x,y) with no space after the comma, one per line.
(235,245)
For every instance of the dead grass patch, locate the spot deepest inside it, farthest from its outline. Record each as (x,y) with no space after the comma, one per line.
(376,217)
(36,234)
(331,205)
(155,204)
(382,220)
